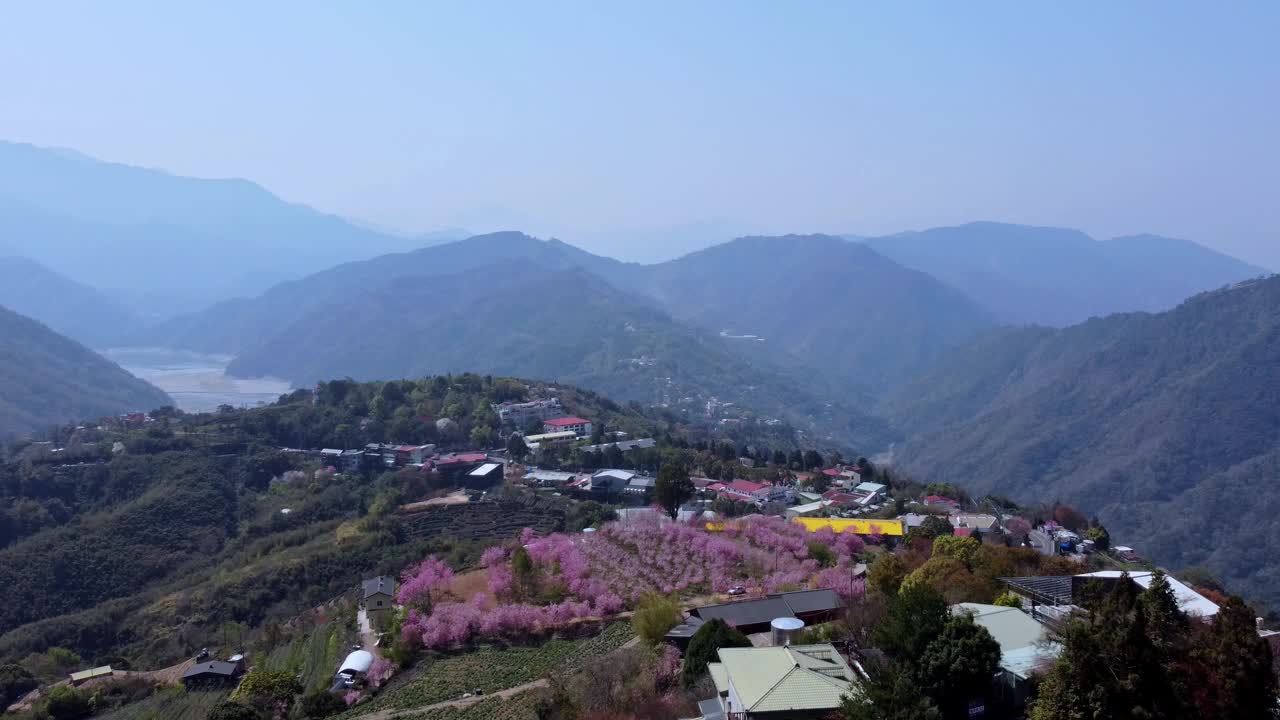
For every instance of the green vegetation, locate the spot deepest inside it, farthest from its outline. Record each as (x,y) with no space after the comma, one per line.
(174,703)
(314,656)
(491,669)
(47,379)
(704,646)
(1160,425)
(654,616)
(672,488)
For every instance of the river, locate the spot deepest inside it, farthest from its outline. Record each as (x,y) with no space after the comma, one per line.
(196,382)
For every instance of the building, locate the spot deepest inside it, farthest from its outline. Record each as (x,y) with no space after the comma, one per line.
(941,502)
(640,486)
(549,477)
(747,491)
(355,668)
(379,594)
(455,467)
(978,523)
(1053,597)
(623,445)
(569,423)
(796,682)
(211,673)
(331,457)
(753,616)
(521,415)
(870,492)
(352,461)
(551,438)
(805,510)
(1025,647)
(887,528)
(91,674)
(611,481)
(484,476)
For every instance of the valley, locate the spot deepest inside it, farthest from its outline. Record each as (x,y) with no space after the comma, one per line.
(197,382)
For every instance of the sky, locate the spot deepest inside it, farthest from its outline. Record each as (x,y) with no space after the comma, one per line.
(643,129)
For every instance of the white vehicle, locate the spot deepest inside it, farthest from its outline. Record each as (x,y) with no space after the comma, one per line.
(737,590)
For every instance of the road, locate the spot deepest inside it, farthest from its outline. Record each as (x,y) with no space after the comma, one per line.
(1042,542)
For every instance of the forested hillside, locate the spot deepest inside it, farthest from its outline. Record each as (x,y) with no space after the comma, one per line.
(82,313)
(820,303)
(564,325)
(1057,276)
(1166,426)
(47,379)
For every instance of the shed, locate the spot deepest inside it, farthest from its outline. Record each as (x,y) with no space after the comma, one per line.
(98,672)
(213,672)
(357,663)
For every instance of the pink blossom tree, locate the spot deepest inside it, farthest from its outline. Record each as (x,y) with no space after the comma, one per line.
(417,584)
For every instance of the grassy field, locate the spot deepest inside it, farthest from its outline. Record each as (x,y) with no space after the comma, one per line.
(316,654)
(170,704)
(492,669)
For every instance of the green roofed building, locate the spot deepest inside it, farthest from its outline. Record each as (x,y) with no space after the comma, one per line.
(794,682)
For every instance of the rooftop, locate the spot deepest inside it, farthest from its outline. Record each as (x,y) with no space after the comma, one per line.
(781,679)
(565,421)
(764,610)
(380,584)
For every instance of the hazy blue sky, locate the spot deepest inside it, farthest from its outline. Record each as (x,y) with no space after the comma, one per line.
(599,122)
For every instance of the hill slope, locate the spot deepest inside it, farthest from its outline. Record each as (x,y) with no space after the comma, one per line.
(821,303)
(1054,276)
(565,325)
(46,379)
(1167,426)
(120,227)
(78,311)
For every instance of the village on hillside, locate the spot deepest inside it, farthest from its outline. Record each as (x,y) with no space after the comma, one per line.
(755,593)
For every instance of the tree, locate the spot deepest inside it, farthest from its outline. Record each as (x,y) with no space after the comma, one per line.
(269,691)
(1237,666)
(321,704)
(67,703)
(890,693)
(704,647)
(812,460)
(964,549)
(886,573)
(231,710)
(917,614)
(654,616)
(818,482)
(932,527)
(1008,599)
(1017,529)
(1165,623)
(15,682)
(516,447)
(957,666)
(779,457)
(672,488)
(1100,537)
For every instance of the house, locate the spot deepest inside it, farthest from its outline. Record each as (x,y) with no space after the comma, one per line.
(747,491)
(1053,597)
(841,499)
(871,492)
(805,510)
(331,457)
(640,485)
(623,445)
(753,616)
(978,523)
(1025,647)
(456,466)
(484,476)
(351,461)
(941,501)
(794,682)
(521,415)
(611,481)
(379,594)
(548,477)
(91,674)
(551,438)
(211,673)
(562,424)
(1125,553)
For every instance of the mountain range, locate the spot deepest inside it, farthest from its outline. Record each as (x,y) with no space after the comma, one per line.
(1166,426)
(1023,274)
(166,240)
(47,379)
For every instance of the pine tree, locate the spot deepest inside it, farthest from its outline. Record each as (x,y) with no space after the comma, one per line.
(1236,665)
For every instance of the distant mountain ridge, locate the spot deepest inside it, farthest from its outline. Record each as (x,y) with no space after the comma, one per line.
(78,311)
(1054,276)
(47,379)
(117,226)
(1167,426)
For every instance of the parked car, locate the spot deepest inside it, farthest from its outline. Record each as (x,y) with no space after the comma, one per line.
(737,590)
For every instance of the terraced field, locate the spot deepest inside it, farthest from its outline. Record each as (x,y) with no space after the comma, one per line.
(171,704)
(520,707)
(492,669)
(486,520)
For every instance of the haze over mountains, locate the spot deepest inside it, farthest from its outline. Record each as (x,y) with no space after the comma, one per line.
(47,380)
(900,341)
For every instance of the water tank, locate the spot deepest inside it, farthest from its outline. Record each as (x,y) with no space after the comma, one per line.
(785,630)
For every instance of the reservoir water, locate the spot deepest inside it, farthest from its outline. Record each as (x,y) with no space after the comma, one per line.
(197,382)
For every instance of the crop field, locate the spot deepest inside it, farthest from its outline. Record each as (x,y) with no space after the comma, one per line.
(520,707)
(491,669)
(315,655)
(171,704)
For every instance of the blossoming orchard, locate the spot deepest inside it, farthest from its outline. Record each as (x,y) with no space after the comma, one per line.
(537,583)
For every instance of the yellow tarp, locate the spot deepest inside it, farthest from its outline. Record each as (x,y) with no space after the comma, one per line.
(856,526)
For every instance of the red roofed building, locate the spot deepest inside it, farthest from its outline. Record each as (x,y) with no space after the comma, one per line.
(962,532)
(940,501)
(747,491)
(566,424)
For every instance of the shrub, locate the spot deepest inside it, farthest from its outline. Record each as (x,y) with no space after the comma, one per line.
(654,616)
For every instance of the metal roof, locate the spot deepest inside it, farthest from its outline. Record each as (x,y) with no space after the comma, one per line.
(381,584)
(780,679)
(485,469)
(765,610)
(91,673)
(1046,589)
(212,667)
